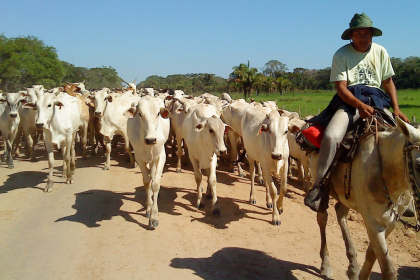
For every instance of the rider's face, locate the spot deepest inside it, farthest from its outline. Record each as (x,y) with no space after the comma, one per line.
(362,38)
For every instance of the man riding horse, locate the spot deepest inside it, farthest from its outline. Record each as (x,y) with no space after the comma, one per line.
(359,69)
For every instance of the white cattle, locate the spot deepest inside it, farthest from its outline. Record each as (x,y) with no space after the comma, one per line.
(27,120)
(9,122)
(225,96)
(264,133)
(131,86)
(203,133)
(60,118)
(179,110)
(297,154)
(110,108)
(148,129)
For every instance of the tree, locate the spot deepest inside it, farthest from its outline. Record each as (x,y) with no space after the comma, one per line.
(283,84)
(274,68)
(244,75)
(25,61)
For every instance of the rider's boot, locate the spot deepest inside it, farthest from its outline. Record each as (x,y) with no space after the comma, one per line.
(317,198)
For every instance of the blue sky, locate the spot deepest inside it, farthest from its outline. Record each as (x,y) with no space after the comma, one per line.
(144,38)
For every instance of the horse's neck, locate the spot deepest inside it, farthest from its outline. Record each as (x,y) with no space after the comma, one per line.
(391,145)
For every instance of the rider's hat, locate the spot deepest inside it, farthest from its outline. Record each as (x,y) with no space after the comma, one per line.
(360,21)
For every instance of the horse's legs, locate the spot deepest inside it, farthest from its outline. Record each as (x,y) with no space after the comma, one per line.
(342,213)
(326,269)
(370,258)
(377,235)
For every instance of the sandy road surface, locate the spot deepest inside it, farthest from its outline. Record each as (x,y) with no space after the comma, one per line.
(97,229)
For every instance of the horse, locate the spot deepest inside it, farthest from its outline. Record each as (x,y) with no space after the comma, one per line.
(385,168)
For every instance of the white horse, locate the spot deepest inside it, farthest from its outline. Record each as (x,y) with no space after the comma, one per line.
(379,181)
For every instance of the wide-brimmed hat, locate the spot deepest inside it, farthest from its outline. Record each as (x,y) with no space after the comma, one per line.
(360,21)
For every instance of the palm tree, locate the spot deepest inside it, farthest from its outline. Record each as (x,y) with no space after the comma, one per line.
(283,84)
(245,76)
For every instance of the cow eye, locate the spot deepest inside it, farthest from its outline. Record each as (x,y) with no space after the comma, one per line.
(158,114)
(286,132)
(140,114)
(49,105)
(211,131)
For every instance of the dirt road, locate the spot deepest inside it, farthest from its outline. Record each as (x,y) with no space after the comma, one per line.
(97,229)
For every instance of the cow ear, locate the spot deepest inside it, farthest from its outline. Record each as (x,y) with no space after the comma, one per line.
(109,98)
(165,113)
(59,104)
(178,111)
(2,100)
(29,105)
(293,128)
(130,113)
(199,127)
(264,127)
(280,111)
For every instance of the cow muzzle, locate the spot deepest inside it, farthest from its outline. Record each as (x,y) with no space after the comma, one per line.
(150,141)
(223,152)
(39,125)
(276,156)
(13,115)
(98,114)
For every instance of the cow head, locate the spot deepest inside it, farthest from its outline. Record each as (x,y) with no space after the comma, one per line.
(213,130)
(46,106)
(100,100)
(13,101)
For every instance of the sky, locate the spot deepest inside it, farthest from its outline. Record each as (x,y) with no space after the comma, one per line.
(144,38)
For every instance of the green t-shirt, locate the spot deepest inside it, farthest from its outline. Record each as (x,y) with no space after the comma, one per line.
(369,68)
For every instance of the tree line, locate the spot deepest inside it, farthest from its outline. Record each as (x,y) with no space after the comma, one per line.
(25,61)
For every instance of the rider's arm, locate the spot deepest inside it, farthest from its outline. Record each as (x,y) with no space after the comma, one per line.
(348,97)
(389,88)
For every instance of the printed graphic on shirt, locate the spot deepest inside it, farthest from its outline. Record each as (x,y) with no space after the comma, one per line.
(364,75)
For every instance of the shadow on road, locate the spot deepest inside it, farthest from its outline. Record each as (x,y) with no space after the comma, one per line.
(23,179)
(240,263)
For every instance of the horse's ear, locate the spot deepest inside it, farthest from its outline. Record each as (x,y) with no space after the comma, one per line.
(408,130)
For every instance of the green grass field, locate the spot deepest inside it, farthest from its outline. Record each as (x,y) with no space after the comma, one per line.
(309,102)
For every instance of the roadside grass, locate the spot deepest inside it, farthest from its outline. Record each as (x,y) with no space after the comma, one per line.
(311,102)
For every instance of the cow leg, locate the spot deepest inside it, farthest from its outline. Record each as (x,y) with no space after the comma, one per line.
(8,153)
(179,154)
(212,183)
(107,153)
(260,175)
(326,269)
(156,171)
(63,154)
(354,269)
(84,132)
(67,159)
(282,186)
(73,159)
(128,150)
(50,151)
(198,177)
(30,146)
(252,198)
(145,172)
(289,171)
(273,193)
(370,258)
(377,235)
(268,200)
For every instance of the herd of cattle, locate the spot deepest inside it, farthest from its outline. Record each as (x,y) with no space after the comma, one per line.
(147,119)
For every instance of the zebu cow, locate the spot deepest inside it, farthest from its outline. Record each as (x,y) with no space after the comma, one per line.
(148,129)
(203,133)
(110,109)
(60,118)
(264,134)
(391,162)
(9,122)
(84,114)
(27,120)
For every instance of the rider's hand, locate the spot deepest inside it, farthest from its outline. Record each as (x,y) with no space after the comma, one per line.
(398,113)
(365,110)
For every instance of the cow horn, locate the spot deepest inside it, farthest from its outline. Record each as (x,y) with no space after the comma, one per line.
(123,80)
(134,80)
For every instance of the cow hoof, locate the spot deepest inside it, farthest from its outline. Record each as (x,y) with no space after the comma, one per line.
(200,205)
(105,168)
(68,182)
(11,166)
(270,205)
(327,271)
(147,214)
(153,223)
(253,201)
(216,212)
(276,223)
(178,170)
(261,182)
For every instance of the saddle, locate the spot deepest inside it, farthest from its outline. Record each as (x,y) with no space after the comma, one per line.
(379,121)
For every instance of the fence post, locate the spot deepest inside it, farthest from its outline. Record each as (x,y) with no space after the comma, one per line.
(414,119)
(299,110)
(319,111)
